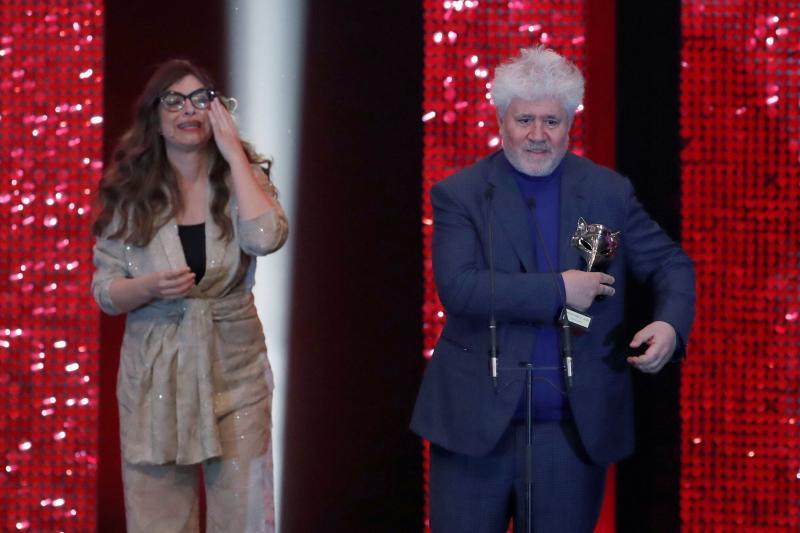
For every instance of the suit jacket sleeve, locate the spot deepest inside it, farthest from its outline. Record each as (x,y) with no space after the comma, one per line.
(655,259)
(461,271)
(267,232)
(110,263)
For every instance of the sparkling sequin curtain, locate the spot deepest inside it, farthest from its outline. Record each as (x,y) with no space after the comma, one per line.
(51,121)
(464,41)
(740,397)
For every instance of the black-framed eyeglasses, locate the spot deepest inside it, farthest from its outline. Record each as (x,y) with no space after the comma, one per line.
(200,98)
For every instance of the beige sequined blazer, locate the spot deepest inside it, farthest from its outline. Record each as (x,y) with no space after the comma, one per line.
(186,363)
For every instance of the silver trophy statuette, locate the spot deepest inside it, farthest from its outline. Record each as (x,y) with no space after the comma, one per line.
(596,243)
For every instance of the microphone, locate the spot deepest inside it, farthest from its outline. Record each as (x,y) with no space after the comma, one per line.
(493,352)
(566,331)
(566,351)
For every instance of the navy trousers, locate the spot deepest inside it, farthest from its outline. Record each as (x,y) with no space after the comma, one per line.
(480,494)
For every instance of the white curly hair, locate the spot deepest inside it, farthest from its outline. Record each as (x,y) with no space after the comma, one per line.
(536,73)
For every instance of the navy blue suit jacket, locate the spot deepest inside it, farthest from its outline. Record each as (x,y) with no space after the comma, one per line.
(458,407)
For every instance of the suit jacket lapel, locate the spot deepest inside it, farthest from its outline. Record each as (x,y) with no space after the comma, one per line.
(168,237)
(510,212)
(170,242)
(574,204)
(215,244)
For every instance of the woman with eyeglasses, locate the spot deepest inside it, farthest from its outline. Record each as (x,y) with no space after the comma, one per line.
(184,209)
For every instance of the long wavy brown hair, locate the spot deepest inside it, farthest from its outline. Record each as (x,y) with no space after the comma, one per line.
(140,186)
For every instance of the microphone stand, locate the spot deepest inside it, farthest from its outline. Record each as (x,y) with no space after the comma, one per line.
(493,351)
(529,367)
(528,446)
(566,353)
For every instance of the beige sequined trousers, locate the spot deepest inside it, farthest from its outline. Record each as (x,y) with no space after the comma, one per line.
(238,486)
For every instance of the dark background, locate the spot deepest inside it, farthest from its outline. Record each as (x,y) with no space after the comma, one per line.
(648,151)
(355,354)
(356,340)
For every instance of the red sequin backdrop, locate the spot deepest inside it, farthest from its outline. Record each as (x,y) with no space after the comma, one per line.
(740,405)
(51,120)
(741,201)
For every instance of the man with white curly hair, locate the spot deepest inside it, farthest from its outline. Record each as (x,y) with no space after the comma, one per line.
(502,255)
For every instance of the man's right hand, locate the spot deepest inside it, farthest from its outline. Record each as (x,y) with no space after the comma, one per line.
(583,287)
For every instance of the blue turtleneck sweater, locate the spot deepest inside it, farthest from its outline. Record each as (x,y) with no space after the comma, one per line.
(542,194)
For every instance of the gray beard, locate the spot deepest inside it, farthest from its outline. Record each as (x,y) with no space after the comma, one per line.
(536,174)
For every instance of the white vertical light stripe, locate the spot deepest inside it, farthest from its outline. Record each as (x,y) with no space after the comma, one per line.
(265,46)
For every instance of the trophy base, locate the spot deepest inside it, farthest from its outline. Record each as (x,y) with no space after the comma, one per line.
(575,318)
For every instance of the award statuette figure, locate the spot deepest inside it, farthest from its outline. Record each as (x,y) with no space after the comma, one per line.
(597,243)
